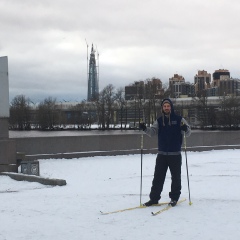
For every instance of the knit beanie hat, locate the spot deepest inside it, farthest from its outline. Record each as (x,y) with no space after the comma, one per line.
(166,100)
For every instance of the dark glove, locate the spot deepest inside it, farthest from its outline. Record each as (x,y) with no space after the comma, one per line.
(142,126)
(184,127)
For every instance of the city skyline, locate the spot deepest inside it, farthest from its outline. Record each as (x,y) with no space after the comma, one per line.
(164,83)
(138,40)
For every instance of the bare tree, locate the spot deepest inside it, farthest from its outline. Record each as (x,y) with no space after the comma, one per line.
(47,114)
(110,98)
(20,113)
(201,104)
(121,103)
(105,104)
(229,114)
(82,115)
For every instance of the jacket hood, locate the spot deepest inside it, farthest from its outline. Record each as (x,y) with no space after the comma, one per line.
(168,100)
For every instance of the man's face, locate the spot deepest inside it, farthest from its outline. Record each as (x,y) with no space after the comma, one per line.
(166,108)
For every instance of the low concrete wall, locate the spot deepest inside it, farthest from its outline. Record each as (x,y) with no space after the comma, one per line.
(114,144)
(31,178)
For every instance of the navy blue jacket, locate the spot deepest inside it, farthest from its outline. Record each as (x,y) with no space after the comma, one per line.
(169,132)
(169,136)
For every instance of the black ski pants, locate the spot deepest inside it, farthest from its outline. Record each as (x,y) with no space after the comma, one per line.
(163,162)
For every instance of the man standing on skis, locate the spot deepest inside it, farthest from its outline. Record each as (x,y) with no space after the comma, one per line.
(170,129)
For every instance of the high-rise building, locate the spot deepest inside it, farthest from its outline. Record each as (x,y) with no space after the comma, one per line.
(218,75)
(151,88)
(212,92)
(188,89)
(175,84)
(93,77)
(134,91)
(202,81)
(228,86)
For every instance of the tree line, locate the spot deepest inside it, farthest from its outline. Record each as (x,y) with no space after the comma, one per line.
(111,110)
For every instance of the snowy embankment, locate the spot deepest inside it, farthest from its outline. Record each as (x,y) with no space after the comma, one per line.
(34,211)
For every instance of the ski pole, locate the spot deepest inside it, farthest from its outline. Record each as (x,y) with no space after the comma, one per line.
(185,146)
(143,120)
(141,169)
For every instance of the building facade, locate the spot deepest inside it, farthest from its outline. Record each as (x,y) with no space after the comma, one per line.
(202,81)
(175,85)
(228,86)
(218,75)
(150,89)
(179,88)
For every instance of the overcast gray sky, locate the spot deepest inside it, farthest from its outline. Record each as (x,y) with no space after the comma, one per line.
(136,39)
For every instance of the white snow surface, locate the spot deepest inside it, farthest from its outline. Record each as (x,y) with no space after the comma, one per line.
(38,212)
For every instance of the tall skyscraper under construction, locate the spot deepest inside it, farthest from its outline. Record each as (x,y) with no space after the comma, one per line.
(93,77)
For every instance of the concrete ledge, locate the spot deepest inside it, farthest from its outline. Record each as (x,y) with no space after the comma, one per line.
(208,148)
(31,178)
(71,155)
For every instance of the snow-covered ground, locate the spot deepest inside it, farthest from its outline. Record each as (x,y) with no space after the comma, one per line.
(37,212)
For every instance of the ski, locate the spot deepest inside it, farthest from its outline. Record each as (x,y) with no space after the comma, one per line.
(167,208)
(132,208)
